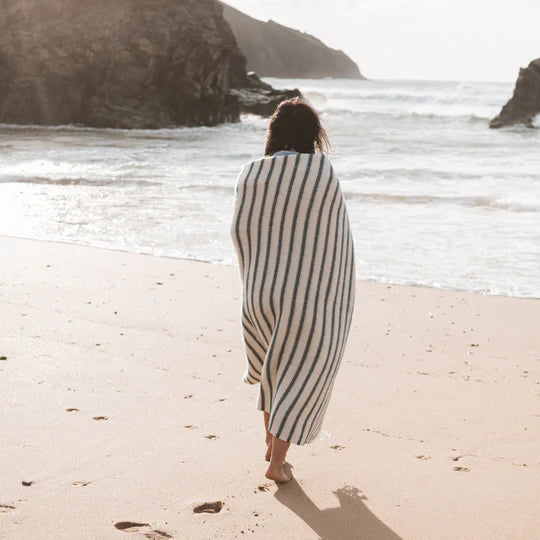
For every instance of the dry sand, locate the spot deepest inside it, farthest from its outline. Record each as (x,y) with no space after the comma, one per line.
(122,401)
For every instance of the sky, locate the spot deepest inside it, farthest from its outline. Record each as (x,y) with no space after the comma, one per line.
(472,40)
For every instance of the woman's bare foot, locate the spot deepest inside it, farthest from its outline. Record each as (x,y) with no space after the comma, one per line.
(275,469)
(277,474)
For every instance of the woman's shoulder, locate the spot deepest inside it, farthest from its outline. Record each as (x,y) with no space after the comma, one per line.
(290,157)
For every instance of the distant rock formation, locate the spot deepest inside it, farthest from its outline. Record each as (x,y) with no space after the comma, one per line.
(124,64)
(525,103)
(273,50)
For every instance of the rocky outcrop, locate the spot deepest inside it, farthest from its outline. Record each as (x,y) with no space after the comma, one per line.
(258,97)
(524,105)
(127,64)
(274,50)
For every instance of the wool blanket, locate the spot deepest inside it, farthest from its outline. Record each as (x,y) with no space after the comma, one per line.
(290,230)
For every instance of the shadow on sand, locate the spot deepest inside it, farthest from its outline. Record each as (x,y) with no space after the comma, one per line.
(351,520)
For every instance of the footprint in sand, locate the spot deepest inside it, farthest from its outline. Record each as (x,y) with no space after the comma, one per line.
(462,469)
(80,483)
(25,483)
(262,487)
(421,456)
(209,507)
(100,418)
(211,437)
(4,508)
(189,426)
(337,447)
(3,357)
(72,410)
(132,526)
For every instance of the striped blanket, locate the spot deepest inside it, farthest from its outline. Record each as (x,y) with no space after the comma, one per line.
(290,230)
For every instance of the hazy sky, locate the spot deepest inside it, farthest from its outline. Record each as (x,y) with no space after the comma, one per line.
(418,39)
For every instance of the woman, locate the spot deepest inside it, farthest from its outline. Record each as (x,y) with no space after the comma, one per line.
(290,231)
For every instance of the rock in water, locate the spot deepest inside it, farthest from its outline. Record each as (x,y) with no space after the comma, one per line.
(123,64)
(274,50)
(525,103)
(258,97)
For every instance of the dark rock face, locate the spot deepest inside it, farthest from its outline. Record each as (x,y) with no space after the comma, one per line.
(126,63)
(525,103)
(258,97)
(273,50)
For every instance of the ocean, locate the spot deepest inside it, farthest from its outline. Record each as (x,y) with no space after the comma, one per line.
(435,198)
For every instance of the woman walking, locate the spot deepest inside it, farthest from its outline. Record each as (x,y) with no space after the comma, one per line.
(290,231)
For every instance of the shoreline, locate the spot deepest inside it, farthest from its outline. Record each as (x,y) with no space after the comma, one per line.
(122,401)
(218,263)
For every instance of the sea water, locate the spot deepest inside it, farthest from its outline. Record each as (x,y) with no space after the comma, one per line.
(435,198)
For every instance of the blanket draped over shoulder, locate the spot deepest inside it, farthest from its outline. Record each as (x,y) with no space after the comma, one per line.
(292,237)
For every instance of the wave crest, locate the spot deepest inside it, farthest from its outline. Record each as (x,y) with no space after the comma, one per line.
(472,201)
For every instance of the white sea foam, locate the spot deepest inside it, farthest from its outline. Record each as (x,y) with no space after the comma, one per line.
(435,197)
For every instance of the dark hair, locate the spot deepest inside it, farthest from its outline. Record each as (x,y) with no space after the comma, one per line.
(295,125)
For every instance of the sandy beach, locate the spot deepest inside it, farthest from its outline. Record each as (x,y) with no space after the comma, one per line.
(123,410)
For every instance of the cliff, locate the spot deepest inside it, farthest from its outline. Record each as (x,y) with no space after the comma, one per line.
(524,105)
(273,50)
(127,64)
